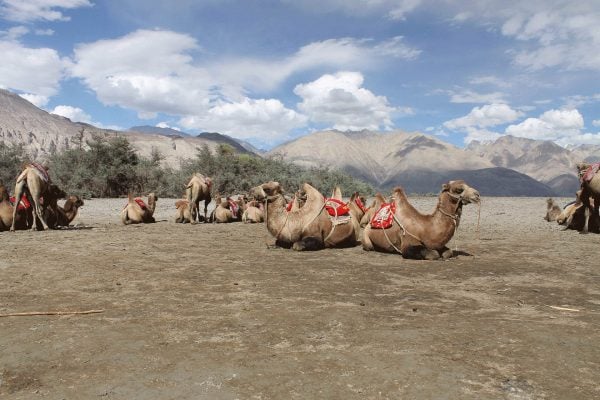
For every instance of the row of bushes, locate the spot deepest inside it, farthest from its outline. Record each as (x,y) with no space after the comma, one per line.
(112,168)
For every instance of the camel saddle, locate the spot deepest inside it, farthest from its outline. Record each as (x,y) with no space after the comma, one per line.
(384,217)
(590,172)
(24,204)
(234,207)
(43,172)
(336,208)
(141,203)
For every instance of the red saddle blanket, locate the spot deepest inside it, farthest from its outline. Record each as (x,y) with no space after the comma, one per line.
(24,204)
(336,208)
(384,217)
(141,203)
(590,172)
(233,207)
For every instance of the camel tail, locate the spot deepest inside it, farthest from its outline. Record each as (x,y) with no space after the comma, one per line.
(129,197)
(22,176)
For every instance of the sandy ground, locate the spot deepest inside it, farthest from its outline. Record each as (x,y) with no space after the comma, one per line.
(209,312)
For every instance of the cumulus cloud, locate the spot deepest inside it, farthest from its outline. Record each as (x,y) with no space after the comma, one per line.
(167,126)
(340,100)
(45,10)
(35,72)
(551,125)
(75,114)
(485,116)
(35,99)
(261,119)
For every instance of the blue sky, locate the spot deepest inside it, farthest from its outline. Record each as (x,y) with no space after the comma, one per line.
(272,70)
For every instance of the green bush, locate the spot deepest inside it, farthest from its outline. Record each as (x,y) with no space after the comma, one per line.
(12,159)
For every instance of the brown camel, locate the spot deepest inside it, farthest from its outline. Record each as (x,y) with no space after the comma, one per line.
(136,211)
(354,208)
(573,215)
(253,213)
(372,209)
(35,180)
(185,214)
(590,188)
(197,189)
(223,211)
(63,216)
(552,210)
(306,228)
(416,235)
(6,213)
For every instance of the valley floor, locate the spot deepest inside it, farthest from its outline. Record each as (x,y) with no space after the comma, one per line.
(209,312)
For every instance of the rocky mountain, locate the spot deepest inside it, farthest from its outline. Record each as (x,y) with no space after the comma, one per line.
(42,133)
(155,130)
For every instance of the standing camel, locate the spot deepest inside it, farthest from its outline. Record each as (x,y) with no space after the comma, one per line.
(590,188)
(35,180)
(417,235)
(197,189)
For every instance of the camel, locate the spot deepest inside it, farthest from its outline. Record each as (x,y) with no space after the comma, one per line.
(590,188)
(6,213)
(63,216)
(355,206)
(306,228)
(573,215)
(552,210)
(136,211)
(223,212)
(372,209)
(197,189)
(416,235)
(35,180)
(253,213)
(185,213)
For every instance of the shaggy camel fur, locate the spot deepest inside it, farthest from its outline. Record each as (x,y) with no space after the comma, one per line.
(133,213)
(306,228)
(253,213)
(197,189)
(552,210)
(416,235)
(63,216)
(222,213)
(185,214)
(589,190)
(6,213)
(32,180)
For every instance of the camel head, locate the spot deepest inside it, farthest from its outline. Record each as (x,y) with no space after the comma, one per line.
(266,190)
(73,203)
(54,193)
(461,191)
(581,168)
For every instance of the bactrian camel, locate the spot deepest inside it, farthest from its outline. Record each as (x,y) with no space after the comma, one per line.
(63,216)
(307,228)
(197,189)
(35,180)
(552,210)
(185,213)
(590,188)
(416,235)
(136,211)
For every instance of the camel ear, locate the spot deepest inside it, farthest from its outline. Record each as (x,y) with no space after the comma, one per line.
(445,187)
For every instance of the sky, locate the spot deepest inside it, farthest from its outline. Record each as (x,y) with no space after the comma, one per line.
(268,71)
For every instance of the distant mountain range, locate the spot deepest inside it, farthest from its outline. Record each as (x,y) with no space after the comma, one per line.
(420,163)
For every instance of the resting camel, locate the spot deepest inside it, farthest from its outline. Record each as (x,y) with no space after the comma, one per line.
(6,213)
(185,213)
(355,206)
(136,211)
(416,235)
(253,213)
(197,189)
(573,215)
(225,211)
(63,216)
(552,210)
(372,209)
(35,180)
(306,228)
(590,188)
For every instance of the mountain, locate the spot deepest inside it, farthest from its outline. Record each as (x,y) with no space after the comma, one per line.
(421,163)
(543,160)
(155,130)
(220,138)
(42,133)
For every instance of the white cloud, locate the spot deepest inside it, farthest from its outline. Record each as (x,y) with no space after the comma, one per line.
(485,116)
(35,99)
(47,10)
(261,119)
(469,96)
(44,32)
(490,80)
(481,135)
(14,32)
(75,114)
(596,122)
(392,9)
(167,126)
(341,100)
(558,125)
(31,71)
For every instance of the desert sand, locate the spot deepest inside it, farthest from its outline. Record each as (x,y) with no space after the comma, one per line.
(210,312)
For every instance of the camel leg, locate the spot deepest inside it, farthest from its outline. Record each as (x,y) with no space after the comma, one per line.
(367,245)
(446,253)
(206,202)
(429,254)
(586,219)
(19,189)
(308,244)
(40,214)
